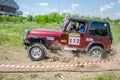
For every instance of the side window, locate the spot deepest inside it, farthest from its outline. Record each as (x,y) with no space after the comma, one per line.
(76,26)
(69,26)
(98,29)
(72,26)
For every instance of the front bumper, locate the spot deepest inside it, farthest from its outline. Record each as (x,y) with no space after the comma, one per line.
(26,41)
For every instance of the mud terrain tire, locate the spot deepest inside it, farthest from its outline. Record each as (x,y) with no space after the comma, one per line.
(36,52)
(96,53)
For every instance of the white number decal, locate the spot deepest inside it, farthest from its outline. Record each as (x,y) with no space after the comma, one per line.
(74,40)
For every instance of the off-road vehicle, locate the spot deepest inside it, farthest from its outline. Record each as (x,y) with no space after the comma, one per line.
(91,36)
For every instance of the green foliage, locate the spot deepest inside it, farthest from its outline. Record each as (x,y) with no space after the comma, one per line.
(107,76)
(115,28)
(41,19)
(107,19)
(1,76)
(12,34)
(15,77)
(1,18)
(5,18)
(48,18)
(20,19)
(30,18)
(59,76)
(33,76)
(5,58)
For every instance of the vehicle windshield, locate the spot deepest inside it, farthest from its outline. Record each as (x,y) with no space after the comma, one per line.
(63,23)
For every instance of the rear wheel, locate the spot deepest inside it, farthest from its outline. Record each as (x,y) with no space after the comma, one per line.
(96,53)
(36,52)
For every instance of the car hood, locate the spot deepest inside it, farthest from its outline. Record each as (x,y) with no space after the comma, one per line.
(45,33)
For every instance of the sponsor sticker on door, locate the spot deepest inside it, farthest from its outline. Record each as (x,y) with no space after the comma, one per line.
(89,39)
(74,35)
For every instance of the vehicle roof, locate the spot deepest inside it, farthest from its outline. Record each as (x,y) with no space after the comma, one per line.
(86,20)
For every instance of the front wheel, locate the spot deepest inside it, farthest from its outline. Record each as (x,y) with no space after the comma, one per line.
(96,53)
(36,52)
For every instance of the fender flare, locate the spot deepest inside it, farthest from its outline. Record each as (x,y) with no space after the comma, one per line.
(39,39)
(93,44)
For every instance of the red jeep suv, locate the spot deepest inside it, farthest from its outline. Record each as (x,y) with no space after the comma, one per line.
(93,37)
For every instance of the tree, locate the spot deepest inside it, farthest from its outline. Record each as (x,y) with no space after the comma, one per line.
(107,19)
(30,18)
(20,19)
(1,18)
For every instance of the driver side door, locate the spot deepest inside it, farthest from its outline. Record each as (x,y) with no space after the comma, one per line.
(71,37)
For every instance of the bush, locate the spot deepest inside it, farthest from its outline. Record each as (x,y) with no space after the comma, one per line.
(29,18)
(20,19)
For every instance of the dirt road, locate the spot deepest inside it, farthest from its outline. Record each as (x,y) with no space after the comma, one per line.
(12,55)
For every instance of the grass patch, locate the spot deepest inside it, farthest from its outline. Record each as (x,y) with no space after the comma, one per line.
(15,77)
(115,28)
(1,76)
(33,76)
(11,34)
(107,76)
(5,58)
(59,76)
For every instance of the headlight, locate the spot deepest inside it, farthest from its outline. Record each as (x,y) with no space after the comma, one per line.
(27,30)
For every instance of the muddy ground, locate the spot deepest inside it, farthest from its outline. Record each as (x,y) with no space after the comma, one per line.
(13,55)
